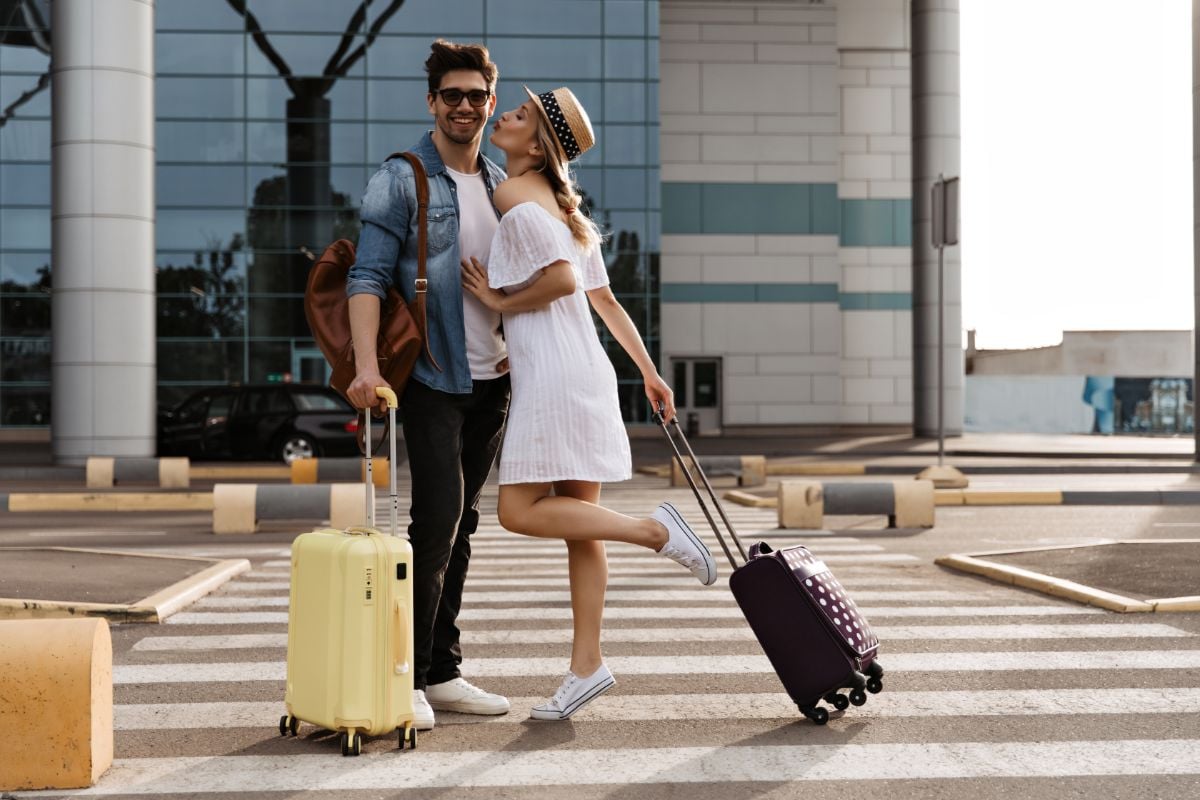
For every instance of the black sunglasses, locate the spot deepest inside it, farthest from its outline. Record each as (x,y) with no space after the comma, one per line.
(452,97)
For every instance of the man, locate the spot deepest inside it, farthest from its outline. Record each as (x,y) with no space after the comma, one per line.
(453,411)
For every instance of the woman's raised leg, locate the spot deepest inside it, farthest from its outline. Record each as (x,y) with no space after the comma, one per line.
(588,569)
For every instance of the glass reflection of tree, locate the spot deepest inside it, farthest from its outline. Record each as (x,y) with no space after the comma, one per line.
(297,211)
(24,23)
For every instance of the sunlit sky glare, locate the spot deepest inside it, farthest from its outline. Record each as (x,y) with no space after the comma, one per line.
(1076,168)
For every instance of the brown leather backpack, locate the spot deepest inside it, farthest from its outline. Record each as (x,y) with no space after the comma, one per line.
(402,326)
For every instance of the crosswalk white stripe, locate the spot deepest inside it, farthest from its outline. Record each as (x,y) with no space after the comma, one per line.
(703,665)
(660,569)
(1103,630)
(833,559)
(520,546)
(673,612)
(773,764)
(616,593)
(617,707)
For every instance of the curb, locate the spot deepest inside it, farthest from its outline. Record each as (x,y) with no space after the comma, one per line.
(111,501)
(976,564)
(154,608)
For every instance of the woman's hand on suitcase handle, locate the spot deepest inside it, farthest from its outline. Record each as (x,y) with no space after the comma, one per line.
(662,399)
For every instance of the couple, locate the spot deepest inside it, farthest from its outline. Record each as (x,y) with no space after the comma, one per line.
(516,250)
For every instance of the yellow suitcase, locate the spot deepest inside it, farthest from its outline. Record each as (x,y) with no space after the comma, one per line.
(350,639)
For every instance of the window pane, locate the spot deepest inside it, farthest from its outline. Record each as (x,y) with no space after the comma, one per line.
(680,386)
(199,229)
(208,185)
(178,271)
(705,373)
(389,99)
(25,315)
(25,405)
(196,316)
(219,360)
(23,59)
(625,188)
(385,138)
(279,317)
(304,54)
(624,17)
(625,58)
(25,184)
(456,19)
(288,15)
(200,141)
(624,144)
(25,140)
(26,228)
(25,359)
(13,87)
(625,102)
(190,15)
(203,53)
(530,17)
(24,270)
(546,60)
(199,97)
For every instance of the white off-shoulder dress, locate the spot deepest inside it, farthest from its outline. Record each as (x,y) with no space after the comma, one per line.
(564,420)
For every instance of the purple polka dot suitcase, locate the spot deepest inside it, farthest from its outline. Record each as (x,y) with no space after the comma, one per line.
(809,627)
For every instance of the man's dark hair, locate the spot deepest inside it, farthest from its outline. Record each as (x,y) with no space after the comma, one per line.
(447,56)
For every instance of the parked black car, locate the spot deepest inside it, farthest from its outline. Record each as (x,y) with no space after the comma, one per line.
(272,421)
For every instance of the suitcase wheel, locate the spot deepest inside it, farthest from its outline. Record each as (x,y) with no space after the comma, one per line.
(816,714)
(858,697)
(874,685)
(408,734)
(838,701)
(351,743)
(288,724)
(875,670)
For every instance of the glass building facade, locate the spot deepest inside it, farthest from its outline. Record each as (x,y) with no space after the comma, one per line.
(270,117)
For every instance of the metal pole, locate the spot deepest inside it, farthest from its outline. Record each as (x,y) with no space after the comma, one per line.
(941,362)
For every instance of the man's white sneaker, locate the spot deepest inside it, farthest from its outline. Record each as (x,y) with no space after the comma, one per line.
(422,713)
(574,694)
(464,697)
(684,546)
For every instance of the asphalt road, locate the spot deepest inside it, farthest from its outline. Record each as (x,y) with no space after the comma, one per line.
(991,692)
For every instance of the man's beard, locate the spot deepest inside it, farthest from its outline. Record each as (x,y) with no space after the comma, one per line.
(448,130)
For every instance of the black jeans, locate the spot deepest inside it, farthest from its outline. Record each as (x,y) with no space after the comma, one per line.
(452,441)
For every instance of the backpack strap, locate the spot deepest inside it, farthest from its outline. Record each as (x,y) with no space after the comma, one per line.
(421,284)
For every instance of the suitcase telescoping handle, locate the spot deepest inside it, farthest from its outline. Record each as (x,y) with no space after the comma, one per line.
(394,508)
(673,426)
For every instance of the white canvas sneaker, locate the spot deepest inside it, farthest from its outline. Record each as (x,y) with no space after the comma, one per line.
(684,546)
(464,697)
(422,713)
(574,694)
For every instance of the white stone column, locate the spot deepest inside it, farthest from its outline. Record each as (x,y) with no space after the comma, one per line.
(1196,214)
(935,132)
(103,357)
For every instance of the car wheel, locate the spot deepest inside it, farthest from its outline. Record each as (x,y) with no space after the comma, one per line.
(295,447)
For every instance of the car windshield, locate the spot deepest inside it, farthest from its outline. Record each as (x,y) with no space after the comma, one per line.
(315,401)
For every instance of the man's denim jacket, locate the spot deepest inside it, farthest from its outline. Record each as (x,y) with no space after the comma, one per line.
(387,256)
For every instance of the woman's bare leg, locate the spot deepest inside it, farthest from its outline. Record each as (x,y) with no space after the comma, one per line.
(529,508)
(588,568)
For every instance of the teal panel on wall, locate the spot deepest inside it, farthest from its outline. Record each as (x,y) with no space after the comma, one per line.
(875,301)
(785,293)
(681,208)
(803,209)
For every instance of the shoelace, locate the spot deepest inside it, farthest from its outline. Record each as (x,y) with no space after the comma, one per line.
(687,559)
(471,688)
(564,690)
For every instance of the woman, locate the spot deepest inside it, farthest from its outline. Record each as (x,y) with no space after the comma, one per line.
(565,435)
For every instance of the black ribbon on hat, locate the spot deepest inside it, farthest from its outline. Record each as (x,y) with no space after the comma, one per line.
(561,129)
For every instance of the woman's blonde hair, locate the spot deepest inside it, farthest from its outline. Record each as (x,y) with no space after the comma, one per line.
(566,192)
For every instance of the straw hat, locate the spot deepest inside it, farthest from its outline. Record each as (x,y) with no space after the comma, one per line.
(570,123)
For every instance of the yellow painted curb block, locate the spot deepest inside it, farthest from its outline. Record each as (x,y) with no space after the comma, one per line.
(1177,603)
(986,497)
(246,473)
(657,470)
(948,497)
(751,500)
(830,468)
(57,716)
(154,608)
(110,501)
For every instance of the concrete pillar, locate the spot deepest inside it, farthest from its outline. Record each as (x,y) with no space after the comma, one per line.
(102,134)
(1196,214)
(935,134)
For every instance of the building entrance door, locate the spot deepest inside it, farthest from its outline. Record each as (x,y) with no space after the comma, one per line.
(309,366)
(697,389)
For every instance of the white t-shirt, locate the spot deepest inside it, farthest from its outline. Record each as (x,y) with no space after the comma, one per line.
(477,225)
